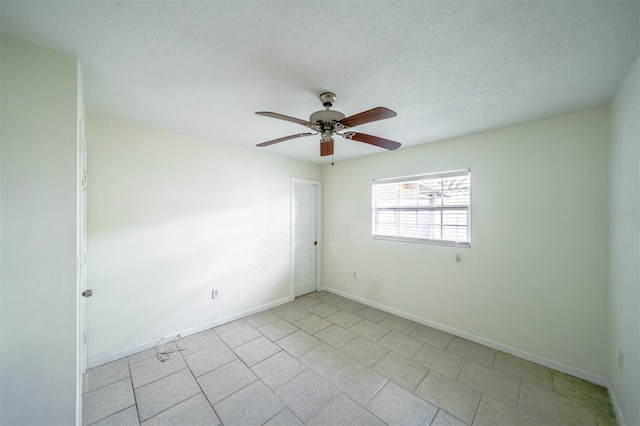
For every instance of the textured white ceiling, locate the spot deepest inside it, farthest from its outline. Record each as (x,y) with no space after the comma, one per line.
(448,68)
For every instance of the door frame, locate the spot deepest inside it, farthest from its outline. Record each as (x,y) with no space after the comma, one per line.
(294,180)
(81,265)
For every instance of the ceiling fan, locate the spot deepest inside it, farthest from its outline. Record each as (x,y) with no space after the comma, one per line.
(328,123)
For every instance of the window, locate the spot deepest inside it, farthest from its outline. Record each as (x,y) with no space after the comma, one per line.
(433,208)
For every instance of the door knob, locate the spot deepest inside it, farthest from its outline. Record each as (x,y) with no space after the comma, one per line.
(87,293)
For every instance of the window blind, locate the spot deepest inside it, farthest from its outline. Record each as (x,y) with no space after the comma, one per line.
(433,208)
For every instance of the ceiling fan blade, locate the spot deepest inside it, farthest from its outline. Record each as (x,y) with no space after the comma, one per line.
(326,147)
(375,114)
(285,118)
(373,140)
(285,138)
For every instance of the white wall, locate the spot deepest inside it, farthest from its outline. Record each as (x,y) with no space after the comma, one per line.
(169,219)
(624,256)
(534,278)
(39,135)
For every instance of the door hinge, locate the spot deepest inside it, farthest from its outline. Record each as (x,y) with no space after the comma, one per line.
(84,179)
(84,338)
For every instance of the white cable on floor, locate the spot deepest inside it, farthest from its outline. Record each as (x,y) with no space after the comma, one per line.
(165,356)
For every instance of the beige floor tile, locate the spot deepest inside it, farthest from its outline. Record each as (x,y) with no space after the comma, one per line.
(278,369)
(470,383)
(369,330)
(492,412)
(344,319)
(262,318)
(141,356)
(349,305)
(364,351)
(445,363)
(323,309)
(228,326)
(335,336)
(225,381)
(298,343)
(372,314)
(284,418)
(331,299)
(203,361)
(477,353)
(304,302)
(152,369)
(312,324)
(193,411)
(105,375)
(401,344)
(324,359)
(196,342)
(453,397)
(126,417)
(490,382)
(107,400)
(524,370)
(586,393)
(429,335)
(553,409)
(256,350)
(397,406)
(292,313)
(359,382)
(343,411)
(398,324)
(278,329)
(253,405)
(307,394)
(401,370)
(316,294)
(605,420)
(239,335)
(162,394)
(445,419)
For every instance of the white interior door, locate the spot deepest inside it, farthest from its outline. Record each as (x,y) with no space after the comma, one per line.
(305,241)
(82,249)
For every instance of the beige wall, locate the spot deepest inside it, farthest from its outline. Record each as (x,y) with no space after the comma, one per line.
(38,371)
(169,219)
(624,254)
(534,278)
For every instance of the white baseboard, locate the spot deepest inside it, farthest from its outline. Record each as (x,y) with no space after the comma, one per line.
(95,362)
(564,368)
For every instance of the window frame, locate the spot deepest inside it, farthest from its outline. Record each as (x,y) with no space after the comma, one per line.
(442,208)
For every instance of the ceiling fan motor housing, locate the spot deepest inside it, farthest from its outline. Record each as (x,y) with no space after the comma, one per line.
(326,116)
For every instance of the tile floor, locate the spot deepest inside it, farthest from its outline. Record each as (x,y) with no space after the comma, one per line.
(326,360)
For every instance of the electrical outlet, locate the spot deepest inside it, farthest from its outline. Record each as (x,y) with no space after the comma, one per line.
(620,359)
(214,294)
(355,275)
